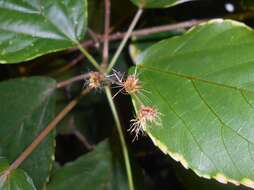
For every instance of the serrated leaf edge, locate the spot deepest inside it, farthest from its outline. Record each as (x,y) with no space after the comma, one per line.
(220,177)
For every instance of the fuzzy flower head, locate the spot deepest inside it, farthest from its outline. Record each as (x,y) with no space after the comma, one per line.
(131,84)
(146,115)
(95,80)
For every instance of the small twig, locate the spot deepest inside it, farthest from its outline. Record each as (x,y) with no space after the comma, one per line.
(79,135)
(65,83)
(106,34)
(83,140)
(145,31)
(125,39)
(121,136)
(69,65)
(45,132)
(163,28)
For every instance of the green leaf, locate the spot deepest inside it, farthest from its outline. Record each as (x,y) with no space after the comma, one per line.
(139,44)
(27,106)
(100,169)
(202,84)
(157,3)
(17,179)
(29,29)
(190,181)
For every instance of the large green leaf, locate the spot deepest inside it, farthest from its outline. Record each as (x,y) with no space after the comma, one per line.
(202,83)
(29,29)
(17,179)
(100,170)
(27,106)
(157,3)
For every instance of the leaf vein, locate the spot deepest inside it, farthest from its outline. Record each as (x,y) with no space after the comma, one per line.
(184,123)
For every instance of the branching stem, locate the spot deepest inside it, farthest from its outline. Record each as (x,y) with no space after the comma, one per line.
(89,57)
(67,82)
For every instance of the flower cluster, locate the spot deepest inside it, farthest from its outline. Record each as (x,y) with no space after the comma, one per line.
(95,80)
(146,115)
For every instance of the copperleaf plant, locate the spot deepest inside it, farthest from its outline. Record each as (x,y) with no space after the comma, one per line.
(193,95)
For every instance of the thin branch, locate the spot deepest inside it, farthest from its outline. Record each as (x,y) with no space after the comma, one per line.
(79,135)
(69,65)
(106,34)
(163,28)
(145,31)
(65,83)
(122,140)
(156,29)
(83,140)
(125,39)
(45,132)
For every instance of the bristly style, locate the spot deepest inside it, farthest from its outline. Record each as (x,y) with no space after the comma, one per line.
(146,115)
(129,85)
(95,80)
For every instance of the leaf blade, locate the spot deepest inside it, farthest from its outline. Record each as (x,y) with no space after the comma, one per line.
(27,106)
(98,169)
(202,105)
(29,30)
(17,179)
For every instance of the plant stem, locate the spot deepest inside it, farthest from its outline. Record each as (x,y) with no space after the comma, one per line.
(106,34)
(125,39)
(68,65)
(45,132)
(67,82)
(89,57)
(145,31)
(164,28)
(121,136)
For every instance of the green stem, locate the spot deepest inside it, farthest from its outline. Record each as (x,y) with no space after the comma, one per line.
(122,140)
(124,41)
(89,57)
(135,97)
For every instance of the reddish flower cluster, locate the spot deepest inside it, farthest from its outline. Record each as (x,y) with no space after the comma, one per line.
(95,80)
(130,85)
(145,115)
